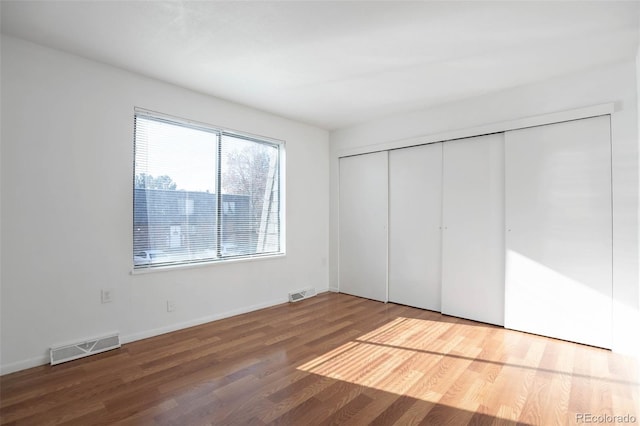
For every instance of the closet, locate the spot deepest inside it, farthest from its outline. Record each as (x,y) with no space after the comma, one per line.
(364,207)
(559,231)
(415,218)
(473,229)
(512,228)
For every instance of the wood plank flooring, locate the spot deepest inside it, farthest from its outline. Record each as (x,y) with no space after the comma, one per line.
(331,359)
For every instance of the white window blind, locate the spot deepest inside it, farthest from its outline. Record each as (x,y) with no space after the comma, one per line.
(202,194)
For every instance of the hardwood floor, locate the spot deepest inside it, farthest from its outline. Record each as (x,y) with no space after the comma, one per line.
(331,359)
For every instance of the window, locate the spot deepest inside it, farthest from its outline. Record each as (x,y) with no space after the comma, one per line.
(203,194)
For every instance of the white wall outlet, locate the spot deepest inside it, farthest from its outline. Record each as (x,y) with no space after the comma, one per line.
(106,295)
(171,306)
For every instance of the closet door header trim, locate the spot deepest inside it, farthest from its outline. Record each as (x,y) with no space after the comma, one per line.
(487,129)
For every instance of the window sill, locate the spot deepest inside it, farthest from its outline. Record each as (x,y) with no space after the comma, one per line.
(164,268)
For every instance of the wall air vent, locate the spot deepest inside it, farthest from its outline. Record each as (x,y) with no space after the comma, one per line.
(66,353)
(302,294)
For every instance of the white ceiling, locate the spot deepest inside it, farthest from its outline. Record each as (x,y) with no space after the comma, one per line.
(336,64)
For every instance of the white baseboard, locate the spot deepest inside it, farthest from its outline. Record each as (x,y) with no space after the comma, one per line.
(24,364)
(128,338)
(334,289)
(42,360)
(202,320)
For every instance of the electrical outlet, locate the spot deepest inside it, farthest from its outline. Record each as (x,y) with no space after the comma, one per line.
(106,295)
(171,306)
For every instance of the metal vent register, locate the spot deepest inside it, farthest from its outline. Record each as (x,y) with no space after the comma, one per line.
(302,294)
(80,350)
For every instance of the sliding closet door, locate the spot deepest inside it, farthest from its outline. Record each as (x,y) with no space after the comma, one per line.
(559,237)
(473,229)
(363,225)
(415,213)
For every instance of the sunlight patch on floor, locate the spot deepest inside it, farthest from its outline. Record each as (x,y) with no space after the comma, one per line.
(404,356)
(474,366)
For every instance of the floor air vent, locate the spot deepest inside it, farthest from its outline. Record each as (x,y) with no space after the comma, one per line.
(302,294)
(80,350)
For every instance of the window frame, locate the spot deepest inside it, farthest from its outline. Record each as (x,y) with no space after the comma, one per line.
(220,132)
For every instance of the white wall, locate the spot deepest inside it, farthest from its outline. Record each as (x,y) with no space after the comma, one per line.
(614,83)
(67,167)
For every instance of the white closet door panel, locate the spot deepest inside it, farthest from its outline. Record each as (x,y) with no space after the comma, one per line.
(415,213)
(363,225)
(473,229)
(559,237)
